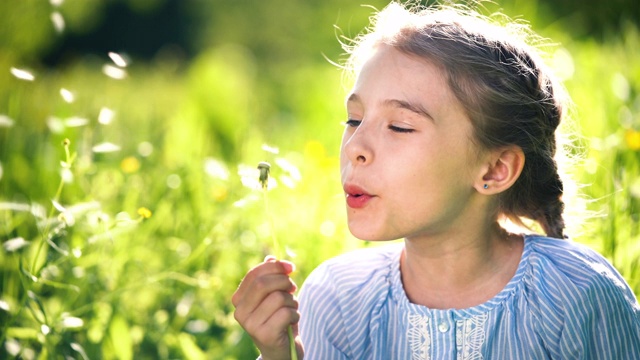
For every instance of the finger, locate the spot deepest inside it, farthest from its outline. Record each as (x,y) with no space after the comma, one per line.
(274,330)
(263,314)
(259,290)
(271,267)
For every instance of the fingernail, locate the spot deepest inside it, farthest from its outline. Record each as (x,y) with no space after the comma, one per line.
(288,266)
(269,258)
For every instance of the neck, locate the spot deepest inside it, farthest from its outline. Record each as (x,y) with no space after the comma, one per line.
(459,271)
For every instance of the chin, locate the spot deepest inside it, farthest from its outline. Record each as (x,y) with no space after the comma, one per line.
(368,235)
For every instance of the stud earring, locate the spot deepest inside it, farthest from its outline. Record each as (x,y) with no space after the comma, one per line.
(486,186)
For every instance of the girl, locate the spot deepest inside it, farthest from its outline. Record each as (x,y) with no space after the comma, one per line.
(451,129)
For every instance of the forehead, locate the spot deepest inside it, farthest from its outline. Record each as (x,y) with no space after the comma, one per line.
(388,73)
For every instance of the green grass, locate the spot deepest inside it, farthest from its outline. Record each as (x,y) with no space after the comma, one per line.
(109,283)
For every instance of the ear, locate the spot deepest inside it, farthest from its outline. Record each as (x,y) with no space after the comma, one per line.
(503,168)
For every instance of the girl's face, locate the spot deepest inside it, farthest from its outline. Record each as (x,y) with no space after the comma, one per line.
(408,165)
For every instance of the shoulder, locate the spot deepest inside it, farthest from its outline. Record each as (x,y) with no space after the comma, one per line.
(577,295)
(568,265)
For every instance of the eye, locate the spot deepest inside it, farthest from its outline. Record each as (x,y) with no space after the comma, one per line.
(400,129)
(353,123)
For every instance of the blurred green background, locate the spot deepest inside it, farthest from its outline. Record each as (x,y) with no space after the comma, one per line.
(128,241)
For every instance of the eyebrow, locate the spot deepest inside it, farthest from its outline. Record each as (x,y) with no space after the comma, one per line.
(400,104)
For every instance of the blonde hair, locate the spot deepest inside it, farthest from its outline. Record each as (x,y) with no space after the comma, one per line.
(509,95)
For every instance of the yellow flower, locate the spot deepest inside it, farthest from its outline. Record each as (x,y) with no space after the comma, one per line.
(130,164)
(144,212)
(632,137)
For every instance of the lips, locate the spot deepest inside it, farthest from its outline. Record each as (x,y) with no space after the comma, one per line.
(356,196)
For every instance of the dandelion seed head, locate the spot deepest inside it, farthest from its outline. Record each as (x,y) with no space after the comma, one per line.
(67,95)
(55,124)
(78,272)
(118,59)
(22,74)
(328,228)
(106,115)
(145,148)
(58,22)
(174,181)
(66,175)
(6,121)
(105,147)
(114,72)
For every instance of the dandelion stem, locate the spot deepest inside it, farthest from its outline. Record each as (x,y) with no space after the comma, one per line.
(264,168)
(56,197)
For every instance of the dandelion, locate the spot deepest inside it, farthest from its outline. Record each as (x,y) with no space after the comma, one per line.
(632,138)
(130,164)
(144,212)
(264,169)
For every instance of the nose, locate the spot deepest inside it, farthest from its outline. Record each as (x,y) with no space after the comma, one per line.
(356,146)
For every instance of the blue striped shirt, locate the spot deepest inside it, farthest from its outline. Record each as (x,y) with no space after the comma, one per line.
(564,302)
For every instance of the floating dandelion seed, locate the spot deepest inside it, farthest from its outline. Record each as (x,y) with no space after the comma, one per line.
(22,74)
(105,147)
(67,95)
(106,116)
(15,244)
(216,169)
(114,72)
(6,121)
(76,121)
(58,22)
(270,149)
(118,59)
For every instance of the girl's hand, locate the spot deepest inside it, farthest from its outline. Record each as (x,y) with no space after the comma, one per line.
(265,307)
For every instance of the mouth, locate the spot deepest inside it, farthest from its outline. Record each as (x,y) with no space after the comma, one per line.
(356,197)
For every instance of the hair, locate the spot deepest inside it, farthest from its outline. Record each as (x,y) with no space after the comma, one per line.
(508,94)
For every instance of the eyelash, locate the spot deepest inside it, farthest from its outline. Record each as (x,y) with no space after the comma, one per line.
(356,123)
